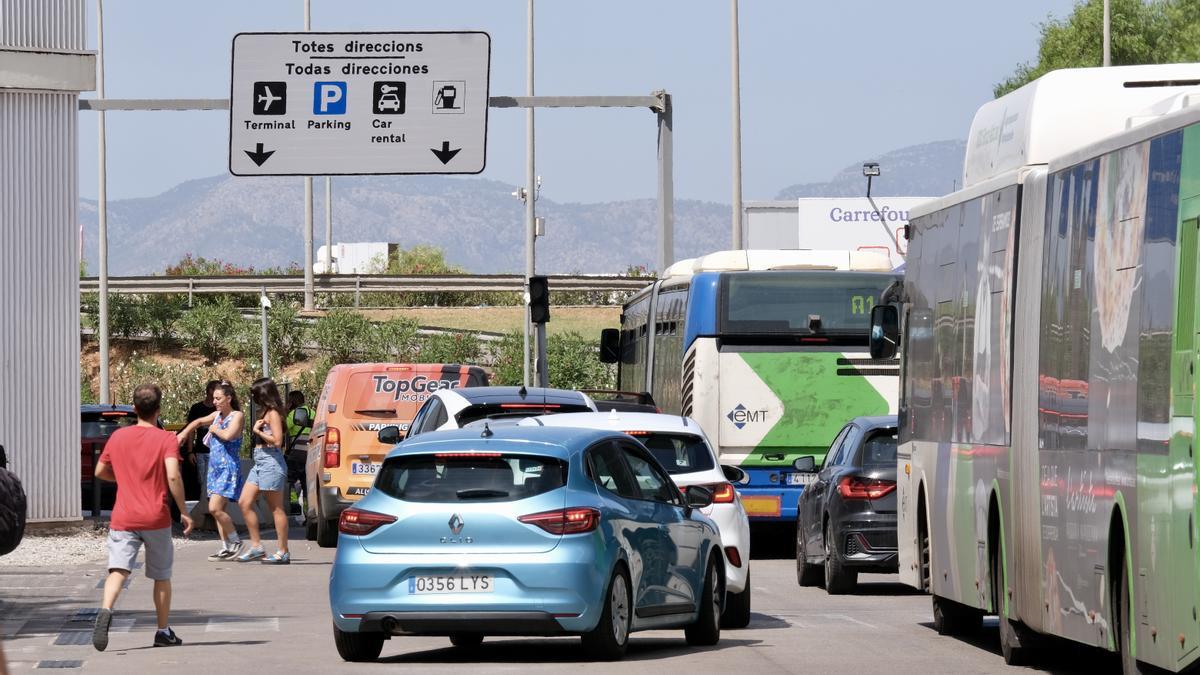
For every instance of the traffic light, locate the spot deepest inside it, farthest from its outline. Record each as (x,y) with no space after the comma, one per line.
(539,299)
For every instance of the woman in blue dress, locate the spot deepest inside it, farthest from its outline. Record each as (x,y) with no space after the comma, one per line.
(224,441)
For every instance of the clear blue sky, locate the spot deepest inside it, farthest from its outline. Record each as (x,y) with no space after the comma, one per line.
(824,84)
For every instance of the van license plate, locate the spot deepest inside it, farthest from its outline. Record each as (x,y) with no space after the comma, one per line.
(364,468)
(458,583)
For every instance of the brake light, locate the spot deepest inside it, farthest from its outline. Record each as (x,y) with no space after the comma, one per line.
(857,487)
(722,492)
(357,522)
(539,406)
(461,455)
(637,433)
(333,448)
(565,521)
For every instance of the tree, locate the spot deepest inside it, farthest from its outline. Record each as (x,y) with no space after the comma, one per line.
(1159,31)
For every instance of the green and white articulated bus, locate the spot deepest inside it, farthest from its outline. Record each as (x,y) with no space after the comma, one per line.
(767,351)
(1047,464)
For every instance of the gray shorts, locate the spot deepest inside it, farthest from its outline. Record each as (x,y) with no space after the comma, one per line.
(160,551)
(270,470)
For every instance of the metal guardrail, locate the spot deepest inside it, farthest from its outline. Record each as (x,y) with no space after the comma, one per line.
(365,283)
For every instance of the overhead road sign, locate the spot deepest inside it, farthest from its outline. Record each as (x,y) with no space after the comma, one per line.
(332,104)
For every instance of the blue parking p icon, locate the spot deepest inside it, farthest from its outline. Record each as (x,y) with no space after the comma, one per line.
(329,98)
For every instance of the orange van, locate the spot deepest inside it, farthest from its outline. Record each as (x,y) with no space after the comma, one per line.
(344,451)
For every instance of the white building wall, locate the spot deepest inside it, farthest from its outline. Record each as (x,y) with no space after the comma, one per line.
(39,276)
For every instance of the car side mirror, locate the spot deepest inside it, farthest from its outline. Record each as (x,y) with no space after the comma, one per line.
(301,418)
(805,464)
(885,331)
(610,345)
(697,496)
(734,474)
(389,435)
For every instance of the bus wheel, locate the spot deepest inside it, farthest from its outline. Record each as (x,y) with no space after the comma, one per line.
(952,618)
(923,544)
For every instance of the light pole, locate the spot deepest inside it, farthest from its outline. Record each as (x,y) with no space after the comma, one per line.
(265,303)
(736,95)
(871,170)
(102,209)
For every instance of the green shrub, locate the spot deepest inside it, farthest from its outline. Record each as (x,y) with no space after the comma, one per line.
(86,395)
(450,348)
(395,340)
(157,314)
(286,333)
(124,315)
(344,334)
(214,328)
(182,384)
(312,380)
(574,362)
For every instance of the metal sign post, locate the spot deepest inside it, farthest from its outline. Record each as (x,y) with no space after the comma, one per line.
(304,104)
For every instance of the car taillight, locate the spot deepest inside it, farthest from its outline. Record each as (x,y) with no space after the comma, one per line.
(857,487)
(358,522)
(722,492)
(564,521)
(333,448)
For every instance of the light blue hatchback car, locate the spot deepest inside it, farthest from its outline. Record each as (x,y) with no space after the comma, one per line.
(525,531)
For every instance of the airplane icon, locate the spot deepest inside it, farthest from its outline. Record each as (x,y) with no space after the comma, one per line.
(270,98)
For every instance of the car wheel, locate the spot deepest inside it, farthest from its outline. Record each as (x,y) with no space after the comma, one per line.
(357,646)
(466,640)
(706,631)
(806,574)
(838,579)
(327,534)
(737,607)
(608,640)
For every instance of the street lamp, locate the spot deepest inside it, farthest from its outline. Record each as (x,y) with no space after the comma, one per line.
(871,170)
(265,302)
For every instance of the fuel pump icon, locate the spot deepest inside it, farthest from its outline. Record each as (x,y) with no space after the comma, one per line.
(446,97)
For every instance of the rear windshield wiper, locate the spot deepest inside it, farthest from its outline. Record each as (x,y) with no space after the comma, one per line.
(481,493)
(377,411)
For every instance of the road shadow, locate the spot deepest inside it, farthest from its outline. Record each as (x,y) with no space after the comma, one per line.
(1054,654)
(552,650)
(210,643)
(760,621)
(884,588)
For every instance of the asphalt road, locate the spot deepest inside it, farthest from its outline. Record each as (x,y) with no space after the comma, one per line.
(250,618)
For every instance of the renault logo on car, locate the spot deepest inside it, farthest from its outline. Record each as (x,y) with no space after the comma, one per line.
(456,524)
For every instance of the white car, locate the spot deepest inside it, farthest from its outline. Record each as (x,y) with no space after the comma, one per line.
(496,406)
(684,451)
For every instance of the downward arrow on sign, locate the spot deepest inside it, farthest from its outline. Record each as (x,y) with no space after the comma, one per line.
(445,154)
(258,156)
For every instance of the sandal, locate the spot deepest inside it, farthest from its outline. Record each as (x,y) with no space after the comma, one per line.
(253,554)
(278,558)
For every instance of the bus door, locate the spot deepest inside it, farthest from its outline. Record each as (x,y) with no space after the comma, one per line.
(1185,370)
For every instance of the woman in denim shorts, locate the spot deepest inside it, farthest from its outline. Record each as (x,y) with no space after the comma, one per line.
(269,475)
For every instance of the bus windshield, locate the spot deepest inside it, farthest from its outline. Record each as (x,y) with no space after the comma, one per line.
(806,302)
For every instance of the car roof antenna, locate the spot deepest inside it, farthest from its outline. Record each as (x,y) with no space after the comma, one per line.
(522,392)
(487,432)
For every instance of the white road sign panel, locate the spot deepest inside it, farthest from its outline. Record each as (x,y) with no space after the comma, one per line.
(322,104)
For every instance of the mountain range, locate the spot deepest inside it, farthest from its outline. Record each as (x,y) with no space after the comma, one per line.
(254,221)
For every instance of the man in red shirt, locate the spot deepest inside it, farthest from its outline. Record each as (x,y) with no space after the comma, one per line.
(144,462)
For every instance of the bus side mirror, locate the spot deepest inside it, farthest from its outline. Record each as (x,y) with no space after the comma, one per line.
(610,345)
(885,331)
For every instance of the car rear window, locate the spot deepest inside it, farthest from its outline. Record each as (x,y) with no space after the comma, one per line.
(102,425)
(678,453)
(490,411)
(469,477)
(880,450)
